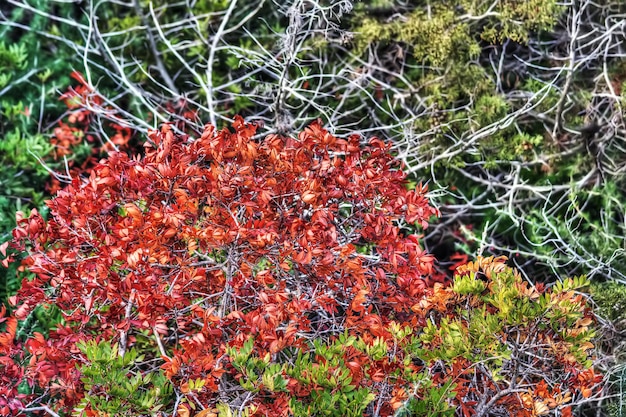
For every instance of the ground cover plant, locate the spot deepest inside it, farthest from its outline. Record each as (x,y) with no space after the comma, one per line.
(227,275)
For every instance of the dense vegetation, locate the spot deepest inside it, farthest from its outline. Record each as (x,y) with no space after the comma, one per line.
(511,111)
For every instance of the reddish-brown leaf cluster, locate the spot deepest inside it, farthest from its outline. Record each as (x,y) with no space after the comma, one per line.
(11,373)
(77,128)
(205,242)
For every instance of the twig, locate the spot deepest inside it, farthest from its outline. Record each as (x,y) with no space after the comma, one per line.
(41,408)
(155,51)
(159,343)
(209,69)
(124,333)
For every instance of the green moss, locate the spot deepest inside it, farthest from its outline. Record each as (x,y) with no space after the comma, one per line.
(431,39)
(610,299)
(452,28)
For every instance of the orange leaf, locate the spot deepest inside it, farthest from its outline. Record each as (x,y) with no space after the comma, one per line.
(206,413)
(308,197)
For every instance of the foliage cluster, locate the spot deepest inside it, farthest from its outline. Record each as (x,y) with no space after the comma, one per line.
(226,275)
(29,82)
(33,68)
(609,299)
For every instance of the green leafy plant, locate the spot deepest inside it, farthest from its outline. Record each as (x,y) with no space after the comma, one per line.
(115,385)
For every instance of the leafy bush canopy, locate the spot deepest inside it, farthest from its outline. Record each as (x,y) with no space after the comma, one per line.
(274,276)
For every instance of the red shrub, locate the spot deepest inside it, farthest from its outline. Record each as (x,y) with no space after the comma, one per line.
(204,243)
